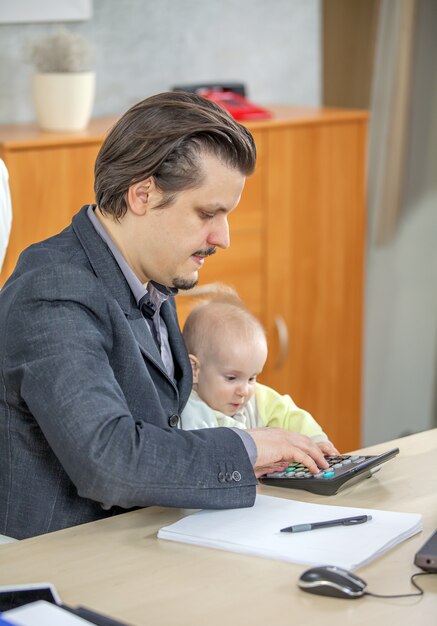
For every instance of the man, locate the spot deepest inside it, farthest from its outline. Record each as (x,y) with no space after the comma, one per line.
(93,367)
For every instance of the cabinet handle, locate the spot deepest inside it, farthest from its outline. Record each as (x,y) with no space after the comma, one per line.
(282,330)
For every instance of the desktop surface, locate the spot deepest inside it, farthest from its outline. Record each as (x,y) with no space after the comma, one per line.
(119,567)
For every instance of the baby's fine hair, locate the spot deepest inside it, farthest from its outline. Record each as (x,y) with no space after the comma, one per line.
(213,321)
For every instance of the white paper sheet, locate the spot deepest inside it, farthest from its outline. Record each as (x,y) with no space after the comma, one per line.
(256,531)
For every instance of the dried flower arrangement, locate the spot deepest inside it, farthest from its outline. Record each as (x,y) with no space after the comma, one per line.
(61,52)
(63,88)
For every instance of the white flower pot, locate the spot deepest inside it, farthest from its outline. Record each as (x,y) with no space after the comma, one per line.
(64,101)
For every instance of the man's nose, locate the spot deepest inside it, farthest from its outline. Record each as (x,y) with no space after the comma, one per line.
(219,235)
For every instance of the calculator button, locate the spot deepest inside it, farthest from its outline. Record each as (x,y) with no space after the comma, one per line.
(337,465)
(328,474)
(347,462)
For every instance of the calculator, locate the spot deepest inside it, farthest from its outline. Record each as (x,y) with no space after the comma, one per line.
(344,470)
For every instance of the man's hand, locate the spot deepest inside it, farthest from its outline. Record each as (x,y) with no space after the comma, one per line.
(327,448)
(276,448)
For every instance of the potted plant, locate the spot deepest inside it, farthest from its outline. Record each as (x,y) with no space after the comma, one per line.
(63,85)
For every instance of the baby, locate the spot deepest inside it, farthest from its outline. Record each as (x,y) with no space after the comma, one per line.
(227,348)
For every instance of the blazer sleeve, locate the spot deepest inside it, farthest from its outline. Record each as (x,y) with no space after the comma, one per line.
(59,372)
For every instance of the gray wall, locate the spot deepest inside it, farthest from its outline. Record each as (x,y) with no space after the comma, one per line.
(400,391)
(144,47)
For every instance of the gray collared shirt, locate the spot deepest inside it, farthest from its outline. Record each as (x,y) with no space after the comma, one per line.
(155,297)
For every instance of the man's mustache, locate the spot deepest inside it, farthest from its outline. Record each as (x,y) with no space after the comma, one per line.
(207,252)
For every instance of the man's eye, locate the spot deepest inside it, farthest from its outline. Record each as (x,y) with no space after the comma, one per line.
(206,216)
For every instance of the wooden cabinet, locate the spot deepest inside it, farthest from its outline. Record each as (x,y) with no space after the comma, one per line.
(51,175)
(315,269)
(297,260)
(297,243)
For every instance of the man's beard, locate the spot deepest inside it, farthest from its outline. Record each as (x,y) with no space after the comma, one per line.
(185,283)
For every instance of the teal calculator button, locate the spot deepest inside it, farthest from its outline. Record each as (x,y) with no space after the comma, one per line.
(328,474)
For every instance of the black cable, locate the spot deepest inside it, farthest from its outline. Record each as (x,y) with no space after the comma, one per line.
(405,595)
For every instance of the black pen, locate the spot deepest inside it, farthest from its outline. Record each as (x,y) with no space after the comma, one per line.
(345,521)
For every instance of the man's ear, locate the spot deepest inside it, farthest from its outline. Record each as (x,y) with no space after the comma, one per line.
(195,366)
(143,195)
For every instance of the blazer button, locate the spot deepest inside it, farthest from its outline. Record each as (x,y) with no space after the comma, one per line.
(173,420)
(221,477)
(236,476)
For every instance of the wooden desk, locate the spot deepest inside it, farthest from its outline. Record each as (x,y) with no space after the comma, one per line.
(119,567)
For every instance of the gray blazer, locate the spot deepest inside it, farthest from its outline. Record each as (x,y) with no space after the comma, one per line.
(86,406)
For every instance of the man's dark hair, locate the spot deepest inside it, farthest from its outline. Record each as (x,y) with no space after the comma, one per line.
(164,136)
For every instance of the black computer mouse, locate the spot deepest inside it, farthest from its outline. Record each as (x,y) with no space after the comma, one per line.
(333,581)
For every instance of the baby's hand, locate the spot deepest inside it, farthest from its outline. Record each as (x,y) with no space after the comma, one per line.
(327,448)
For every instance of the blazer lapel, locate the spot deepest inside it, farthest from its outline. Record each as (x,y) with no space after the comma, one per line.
(145,341)
(107,269)
(183,373)
(103,262)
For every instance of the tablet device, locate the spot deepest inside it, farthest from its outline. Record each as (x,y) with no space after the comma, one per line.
(426,557)
(13,596)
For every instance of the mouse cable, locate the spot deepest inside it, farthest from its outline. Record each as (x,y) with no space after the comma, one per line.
(404,595)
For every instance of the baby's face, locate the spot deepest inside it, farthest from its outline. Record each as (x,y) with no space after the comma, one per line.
(226,380)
